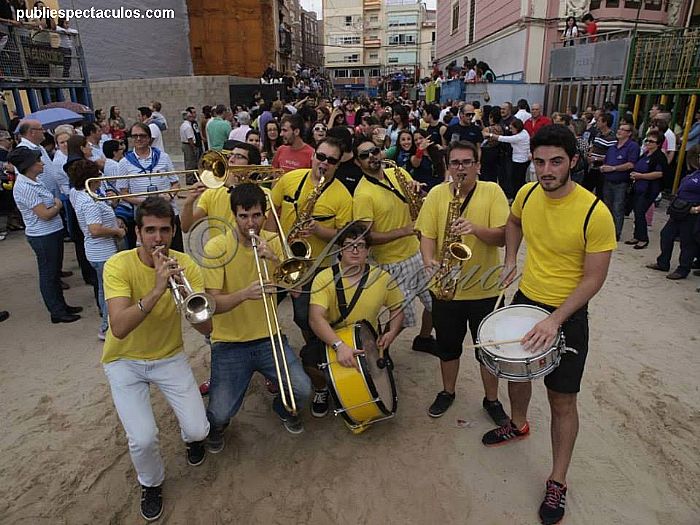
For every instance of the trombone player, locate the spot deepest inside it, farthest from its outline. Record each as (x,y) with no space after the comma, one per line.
(241,343)
(481,212)
(144,346)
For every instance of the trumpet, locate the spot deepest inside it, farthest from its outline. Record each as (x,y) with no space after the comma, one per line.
(275,332)
(213,172)
(197,307)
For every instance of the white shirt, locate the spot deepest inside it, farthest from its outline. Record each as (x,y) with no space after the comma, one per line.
(670,137)
(470,76)
(186,132)
(59,160)
(520,143)
(523,115)
(157,137)
(155,181)
(239,133)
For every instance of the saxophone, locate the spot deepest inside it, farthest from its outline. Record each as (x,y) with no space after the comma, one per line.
(299,246)
(453,253)
(413,199)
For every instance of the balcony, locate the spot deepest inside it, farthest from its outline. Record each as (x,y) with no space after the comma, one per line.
(369,5)
(285,42)
(373,42)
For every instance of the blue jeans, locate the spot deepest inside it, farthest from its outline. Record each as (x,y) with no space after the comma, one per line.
(614,194)
(233,365)
(99,267)
(49,258)
(684,229)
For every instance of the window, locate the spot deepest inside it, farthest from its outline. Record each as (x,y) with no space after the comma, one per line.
(346,40)
(652,5)
(393,60)
(402,21)
(472,19)
(356,73)
(351,58)
(612,3)
(432,37)
(374,56)
(374,18)
(455,17)
(632,4)
(375,72)
(348,21)
(402,39)
(341,73)
(595,4)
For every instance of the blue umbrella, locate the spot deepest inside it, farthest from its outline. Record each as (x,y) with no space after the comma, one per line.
(50,118)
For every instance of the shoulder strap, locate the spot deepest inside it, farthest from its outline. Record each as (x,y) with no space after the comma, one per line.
(534,186)
(390,187)
(588,219)
(343,305)
(297,193)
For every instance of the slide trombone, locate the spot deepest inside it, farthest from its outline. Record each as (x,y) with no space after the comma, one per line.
(273,328)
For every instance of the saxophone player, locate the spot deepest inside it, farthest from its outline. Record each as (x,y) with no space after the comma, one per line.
(478,217)
(389,207)
(314,192)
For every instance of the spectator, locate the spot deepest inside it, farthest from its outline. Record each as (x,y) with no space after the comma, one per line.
(253,138)
(604,139)
(619,162)
(116,124)
(570,32)
(206,117)
(146,117)
(190,142)
(271,140)
(157,116)
(294,153)
(318,133)
(520,142)
(465,129)
(218,129)
(523,113)
(537,120)
(591,28)
(239,133)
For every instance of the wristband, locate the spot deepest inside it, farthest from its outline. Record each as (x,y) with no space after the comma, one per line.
(140,305)
(419,153)
(336,345)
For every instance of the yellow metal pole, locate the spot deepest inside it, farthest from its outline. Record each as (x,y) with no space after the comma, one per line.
(689,116)
(664,100)
(635,112)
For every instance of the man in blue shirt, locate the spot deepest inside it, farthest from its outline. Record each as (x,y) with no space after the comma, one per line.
(619,161)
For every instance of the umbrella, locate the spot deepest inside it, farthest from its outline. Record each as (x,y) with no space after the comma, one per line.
(50,118)
(66,104)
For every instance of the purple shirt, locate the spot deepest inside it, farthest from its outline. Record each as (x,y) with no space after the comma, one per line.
(689,189)
(615,156)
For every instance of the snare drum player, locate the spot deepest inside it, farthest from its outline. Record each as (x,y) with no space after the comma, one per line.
(481,226)
(570,236)
(364,290)
(240,338)
(144,347)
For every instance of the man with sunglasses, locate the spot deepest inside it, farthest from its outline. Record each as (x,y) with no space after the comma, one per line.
(331,211)
(465,129)
(380,204)
(481,226)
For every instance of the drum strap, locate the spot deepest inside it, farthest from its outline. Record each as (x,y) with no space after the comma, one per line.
(343,305)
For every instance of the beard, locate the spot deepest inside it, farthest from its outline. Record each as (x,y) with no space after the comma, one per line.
(554,185)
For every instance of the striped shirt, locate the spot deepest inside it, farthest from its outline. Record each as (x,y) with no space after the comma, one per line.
(59,160)
(89,211)
(28,194)
(47,177)
(148,183)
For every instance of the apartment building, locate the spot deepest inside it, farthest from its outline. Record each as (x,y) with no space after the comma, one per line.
(367,39)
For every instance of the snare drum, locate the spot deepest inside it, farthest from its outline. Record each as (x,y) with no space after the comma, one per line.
(510,360)
(363,397)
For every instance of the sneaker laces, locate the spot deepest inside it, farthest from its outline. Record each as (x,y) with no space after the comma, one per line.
(554,494)
(320,396)
(505,430)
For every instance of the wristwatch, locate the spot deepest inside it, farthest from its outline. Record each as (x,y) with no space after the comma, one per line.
(336,345)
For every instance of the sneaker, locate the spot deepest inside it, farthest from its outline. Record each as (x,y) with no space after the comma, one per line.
(215,440)
(496,412)
(101,335)
(293,424)
(151,503)
(319,406)
(442,402)
(424,344)
(204,388)
(195,453)
(505,434)
(553,506)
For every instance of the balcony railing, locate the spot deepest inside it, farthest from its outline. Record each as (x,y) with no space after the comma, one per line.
(372,4)
(32,55)
(373,42)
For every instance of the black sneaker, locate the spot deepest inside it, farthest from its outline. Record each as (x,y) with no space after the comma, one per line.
(496,412)
(442,402)
(319,406)
(215,440)
(293,424)
(505,434)
(196,453)
(554,504)
(151,503)
(425,344)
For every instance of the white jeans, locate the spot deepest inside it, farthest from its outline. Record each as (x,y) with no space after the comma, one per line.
(129,381)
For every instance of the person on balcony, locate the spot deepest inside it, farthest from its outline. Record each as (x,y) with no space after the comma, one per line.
(570,33)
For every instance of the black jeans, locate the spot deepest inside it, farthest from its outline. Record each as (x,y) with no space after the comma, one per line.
(49,257)
(519,175)
(682,228)
(642,201)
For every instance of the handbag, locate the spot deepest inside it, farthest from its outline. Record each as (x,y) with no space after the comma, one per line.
(679,208)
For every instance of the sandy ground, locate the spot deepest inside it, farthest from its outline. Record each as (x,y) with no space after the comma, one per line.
(637,460)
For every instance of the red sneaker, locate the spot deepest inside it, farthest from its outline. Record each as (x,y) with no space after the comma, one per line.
(204,388)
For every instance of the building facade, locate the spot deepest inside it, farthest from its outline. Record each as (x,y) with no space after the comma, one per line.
(311,35)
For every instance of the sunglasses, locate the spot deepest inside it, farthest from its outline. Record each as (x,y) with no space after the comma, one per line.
(320,128)
(469,114)
(322,157)
(365,154)
(649,141)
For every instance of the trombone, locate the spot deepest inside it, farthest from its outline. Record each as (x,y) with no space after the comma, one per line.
(213,171)
(273,328)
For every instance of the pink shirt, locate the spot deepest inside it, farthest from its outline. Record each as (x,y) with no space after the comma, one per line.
(289,159)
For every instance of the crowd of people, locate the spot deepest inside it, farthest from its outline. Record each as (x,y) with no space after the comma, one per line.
(394,170)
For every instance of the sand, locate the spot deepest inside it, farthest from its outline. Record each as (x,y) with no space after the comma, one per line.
(637,459)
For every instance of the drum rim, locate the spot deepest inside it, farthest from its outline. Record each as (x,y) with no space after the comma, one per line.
(555,343)
(526,379)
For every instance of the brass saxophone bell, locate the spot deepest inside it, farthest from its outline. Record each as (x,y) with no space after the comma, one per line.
(460,251)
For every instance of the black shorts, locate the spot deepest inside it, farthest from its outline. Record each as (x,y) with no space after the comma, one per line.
(566,378)
(313,353)
(451,319)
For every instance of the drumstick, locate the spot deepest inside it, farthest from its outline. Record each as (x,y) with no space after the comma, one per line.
(495,343)
(500,296)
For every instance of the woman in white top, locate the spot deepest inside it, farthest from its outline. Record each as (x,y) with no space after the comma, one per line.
(98,223)
(571,32)
(520,142)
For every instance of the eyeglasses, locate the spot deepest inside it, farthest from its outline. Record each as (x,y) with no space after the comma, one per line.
(650,141)
(365,154)
(355,246)
(469,114)
(325,158)
(238,156)
(625,129)
(456,164)
(36,129)
(137,136)
(320,128)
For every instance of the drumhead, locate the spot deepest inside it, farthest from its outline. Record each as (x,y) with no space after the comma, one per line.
(510,322)
(381,378)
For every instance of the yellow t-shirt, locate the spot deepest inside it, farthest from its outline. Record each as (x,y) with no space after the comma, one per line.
(246,322)
(380,291)
(487,207)
(333,209)
(216,202)
(553,231)
(387,212)
(159,335)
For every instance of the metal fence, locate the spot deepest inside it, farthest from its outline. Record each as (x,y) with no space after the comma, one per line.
(28,54)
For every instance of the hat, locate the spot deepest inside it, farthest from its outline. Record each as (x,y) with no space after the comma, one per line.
(23,158)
